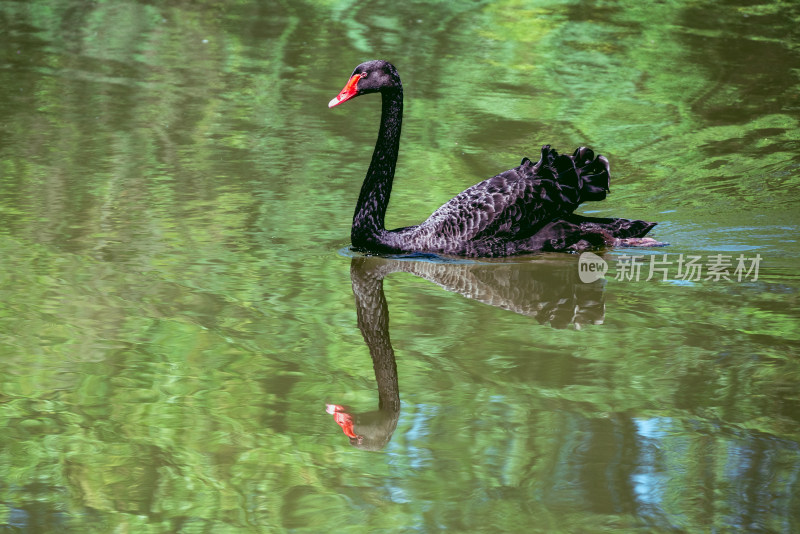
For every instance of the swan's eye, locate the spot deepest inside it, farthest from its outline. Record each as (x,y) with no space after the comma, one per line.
(364,74)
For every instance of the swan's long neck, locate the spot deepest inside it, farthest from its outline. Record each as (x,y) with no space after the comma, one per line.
(368,220)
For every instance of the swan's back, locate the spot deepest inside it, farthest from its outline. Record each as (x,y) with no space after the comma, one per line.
(514,205)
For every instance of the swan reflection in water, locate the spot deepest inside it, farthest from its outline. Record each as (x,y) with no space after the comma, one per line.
(549,290)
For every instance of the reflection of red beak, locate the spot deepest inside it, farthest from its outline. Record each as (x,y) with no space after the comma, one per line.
(342,418)
(347,93)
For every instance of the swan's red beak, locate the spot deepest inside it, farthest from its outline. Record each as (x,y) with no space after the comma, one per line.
(342,418)
(347,93)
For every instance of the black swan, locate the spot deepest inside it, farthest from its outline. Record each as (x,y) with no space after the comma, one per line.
(525,209)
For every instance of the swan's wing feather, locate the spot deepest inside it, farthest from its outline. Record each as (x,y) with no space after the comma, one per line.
(513,205)
(501,201)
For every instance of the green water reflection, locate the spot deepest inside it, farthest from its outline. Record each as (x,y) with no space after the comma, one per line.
(177,306)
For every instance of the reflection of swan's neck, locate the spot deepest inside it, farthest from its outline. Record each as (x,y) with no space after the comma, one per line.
(373,321)
(368,219)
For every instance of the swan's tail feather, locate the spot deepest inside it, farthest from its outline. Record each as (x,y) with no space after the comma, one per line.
(581,177)
(595,174)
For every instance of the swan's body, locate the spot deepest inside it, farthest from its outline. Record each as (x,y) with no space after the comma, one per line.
(525,209)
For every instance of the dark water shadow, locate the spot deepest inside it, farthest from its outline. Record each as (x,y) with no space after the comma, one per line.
(546,289)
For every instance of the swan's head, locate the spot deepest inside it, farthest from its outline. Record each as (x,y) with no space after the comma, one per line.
(369,77)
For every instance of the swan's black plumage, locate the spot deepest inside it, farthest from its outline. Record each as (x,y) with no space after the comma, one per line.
(525,209)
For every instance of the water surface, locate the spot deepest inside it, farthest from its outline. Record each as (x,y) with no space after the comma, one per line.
(178,305)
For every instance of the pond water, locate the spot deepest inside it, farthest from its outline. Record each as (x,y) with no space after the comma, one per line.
(188,344)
